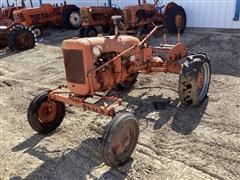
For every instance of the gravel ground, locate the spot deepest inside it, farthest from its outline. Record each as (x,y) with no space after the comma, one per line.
(175,143)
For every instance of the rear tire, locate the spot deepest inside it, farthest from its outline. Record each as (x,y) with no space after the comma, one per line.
(72,18)
(21,38)
(194,80)
(120,139)
(176,19)
(41,118)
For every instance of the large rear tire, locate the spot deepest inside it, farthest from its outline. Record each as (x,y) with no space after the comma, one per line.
(45,115)
(176,19)
(72,17)
(120,139)
(21,38)
(194,80)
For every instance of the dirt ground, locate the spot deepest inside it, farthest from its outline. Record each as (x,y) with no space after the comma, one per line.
(175,143)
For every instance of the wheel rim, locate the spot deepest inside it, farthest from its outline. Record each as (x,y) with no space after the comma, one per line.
(123,140)
(37,32)
(179,20)
(203,80)
(47,112)
(75,19)
(23,40)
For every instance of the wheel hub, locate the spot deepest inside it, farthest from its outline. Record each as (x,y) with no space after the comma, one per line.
(75,19)
(179,21)
(123,140)
(37,32)
(47,112)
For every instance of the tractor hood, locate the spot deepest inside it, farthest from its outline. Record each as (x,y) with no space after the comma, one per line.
(106,43)
(79,59)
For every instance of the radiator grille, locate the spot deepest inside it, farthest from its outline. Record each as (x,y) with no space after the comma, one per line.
(74,67)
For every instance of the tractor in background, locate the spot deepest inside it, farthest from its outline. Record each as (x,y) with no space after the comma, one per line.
(136,18)
(14,35)
(65,15)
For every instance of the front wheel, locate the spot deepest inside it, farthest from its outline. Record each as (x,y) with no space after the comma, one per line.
(37,30)
(45,115)
(194,80)
(120,139)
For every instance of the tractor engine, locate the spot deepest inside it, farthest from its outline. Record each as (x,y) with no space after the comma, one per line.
(83,59)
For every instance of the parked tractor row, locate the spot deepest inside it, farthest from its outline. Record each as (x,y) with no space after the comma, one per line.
(137,19)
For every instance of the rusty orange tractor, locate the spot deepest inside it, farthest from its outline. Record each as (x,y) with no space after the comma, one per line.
(97,16)
(65,15)
(136,18)
(13,34)
(98,64)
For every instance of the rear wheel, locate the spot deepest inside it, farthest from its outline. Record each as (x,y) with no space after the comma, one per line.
(72,18)
(21,38)
(45,115)
(194,80)
(120,139)
(176,19)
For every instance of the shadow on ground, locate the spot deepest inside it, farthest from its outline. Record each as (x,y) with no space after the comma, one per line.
(77,163)
(184,120)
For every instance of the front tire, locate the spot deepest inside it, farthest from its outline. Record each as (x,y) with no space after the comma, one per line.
(37,30)
(194,80)
(120,139)
(45,115)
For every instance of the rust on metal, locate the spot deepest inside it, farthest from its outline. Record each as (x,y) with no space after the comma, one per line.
(120,57)
(123,139)
(47,112)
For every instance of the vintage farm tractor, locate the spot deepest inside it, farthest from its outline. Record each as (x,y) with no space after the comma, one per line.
(15,35)
(96,65)
(65,15)
(136,18)
(97,16)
